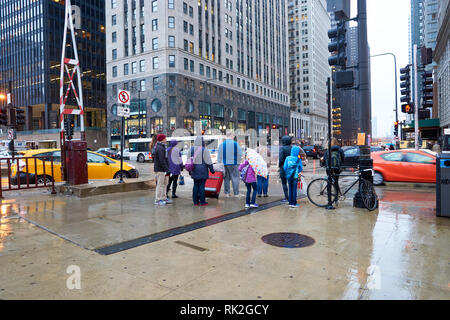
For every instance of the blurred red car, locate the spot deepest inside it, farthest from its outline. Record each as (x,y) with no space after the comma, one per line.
(404,166)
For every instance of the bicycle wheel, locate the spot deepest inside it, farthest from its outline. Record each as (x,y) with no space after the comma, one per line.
(368,195)
(318,192)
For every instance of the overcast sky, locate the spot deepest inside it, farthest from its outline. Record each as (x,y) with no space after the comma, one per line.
(388,32)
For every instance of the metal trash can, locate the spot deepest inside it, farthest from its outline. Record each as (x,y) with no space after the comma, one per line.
(443,185)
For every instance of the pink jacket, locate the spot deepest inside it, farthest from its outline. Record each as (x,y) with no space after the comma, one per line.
(251,176)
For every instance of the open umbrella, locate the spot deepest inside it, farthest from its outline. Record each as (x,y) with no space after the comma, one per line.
(257,162)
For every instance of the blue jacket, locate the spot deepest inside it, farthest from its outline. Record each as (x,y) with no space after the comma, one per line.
(293,164)
(202,162)
(230,153)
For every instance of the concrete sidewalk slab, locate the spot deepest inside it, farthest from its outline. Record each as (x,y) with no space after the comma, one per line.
(106,220)
(100,187)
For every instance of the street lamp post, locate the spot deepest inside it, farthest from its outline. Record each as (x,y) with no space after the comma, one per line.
(396,89)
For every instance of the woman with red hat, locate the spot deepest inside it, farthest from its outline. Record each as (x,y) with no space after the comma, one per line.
(161,167)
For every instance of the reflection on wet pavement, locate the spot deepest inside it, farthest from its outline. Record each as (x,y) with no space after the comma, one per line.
(398,252)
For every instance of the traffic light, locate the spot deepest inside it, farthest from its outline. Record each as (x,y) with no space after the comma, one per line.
(427,89)
(405,85)
(68,127)
(3,116)
(396,128)
(338,45)
(20,117)
(408,108)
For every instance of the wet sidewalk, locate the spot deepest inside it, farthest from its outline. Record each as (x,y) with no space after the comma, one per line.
(400,251)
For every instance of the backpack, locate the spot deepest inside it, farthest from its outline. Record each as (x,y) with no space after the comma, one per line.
(244,172)
(189,166)
(335,159)
(291,173)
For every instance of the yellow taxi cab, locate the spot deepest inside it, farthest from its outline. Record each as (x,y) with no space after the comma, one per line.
(99,167)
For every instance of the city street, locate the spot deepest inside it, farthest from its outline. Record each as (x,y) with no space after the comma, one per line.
(126,248)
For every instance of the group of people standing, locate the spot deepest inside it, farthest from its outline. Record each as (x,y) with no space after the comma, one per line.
(168,166)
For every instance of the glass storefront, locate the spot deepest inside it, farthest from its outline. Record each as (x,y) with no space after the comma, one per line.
(156,125)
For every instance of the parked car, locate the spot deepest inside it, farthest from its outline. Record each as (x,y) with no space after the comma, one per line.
(407,165)
(109,152)
(311,151)
(376,149)
(99,167)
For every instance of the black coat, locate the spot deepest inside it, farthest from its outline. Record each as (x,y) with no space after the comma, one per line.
(285,151)
(160,160)
(202,161)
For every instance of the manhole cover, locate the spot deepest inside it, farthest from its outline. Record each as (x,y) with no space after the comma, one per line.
(288,240)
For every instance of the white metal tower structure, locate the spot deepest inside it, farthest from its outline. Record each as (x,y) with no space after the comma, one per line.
(66,63)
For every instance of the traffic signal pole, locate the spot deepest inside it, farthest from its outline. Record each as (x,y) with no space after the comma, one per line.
(416,100)
(364,78)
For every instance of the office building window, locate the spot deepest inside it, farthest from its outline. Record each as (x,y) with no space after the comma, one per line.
(186,64)
(114,19)
(185,26)
(126,69)
(202,71)
(154,24)
(171,61)
(113,4)
(172,102)
(114,54)
(114,71)
(114,37)
(185,8)
(154,6)
(186,45)
(133,67)
(155,63)
(143,85)
(155,83)
(191,66)
(155,43)
(171,4)
(171,22)
(171,41)
(142,65)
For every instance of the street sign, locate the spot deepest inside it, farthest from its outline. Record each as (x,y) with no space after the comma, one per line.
(446,131)
(11,134)
(123,97)
(123,112)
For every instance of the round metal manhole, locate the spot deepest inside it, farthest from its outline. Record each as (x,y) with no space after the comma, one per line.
(288,240)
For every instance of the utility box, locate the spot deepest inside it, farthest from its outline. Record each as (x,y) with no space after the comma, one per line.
(76,162)
(443,185)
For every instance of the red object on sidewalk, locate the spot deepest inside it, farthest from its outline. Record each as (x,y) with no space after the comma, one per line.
(214,185)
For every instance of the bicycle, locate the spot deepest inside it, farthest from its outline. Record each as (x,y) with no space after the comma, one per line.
(318,191)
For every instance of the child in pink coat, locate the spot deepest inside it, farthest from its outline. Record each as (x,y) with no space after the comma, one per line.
(249,177)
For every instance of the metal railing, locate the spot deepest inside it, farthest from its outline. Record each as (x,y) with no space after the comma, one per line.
(23,178)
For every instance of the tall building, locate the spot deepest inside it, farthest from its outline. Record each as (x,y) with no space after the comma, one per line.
(309,23)
(222,62)
(423,33)
(442,59)
(31,35)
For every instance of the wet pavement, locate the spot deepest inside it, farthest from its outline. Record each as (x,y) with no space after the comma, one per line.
(400,251)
